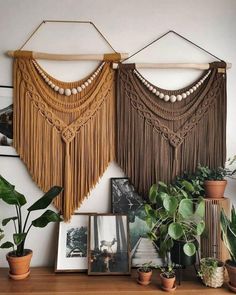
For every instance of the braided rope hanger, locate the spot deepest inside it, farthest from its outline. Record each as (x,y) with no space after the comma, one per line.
(68,57)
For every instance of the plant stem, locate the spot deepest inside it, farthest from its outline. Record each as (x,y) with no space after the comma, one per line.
(18,220)
(15,226)
(26,221)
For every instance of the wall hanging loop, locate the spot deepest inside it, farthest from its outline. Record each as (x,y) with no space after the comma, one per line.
(200,66)
(51,56)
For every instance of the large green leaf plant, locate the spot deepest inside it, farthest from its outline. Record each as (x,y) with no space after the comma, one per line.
(228,229)
(175,213)
(22,226)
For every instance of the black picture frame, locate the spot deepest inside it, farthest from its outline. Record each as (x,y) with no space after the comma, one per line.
(109,247)
(125,200)
(6,122)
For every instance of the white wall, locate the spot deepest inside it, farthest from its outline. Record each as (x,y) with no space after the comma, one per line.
(128,25)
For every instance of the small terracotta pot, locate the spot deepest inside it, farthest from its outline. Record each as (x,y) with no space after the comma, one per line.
(144,278)
(167,283)
(19,266)
(214,189)
(231,272)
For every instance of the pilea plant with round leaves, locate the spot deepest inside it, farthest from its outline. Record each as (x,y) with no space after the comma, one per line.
(173,214)
(10,196)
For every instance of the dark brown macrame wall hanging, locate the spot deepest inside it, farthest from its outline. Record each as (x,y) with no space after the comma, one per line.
(162,133)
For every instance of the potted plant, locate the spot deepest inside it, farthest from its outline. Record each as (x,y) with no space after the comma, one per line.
(228,229)
(175,219)
(19,258)
(214,179)
(167,277)
(145,273)
(211,272)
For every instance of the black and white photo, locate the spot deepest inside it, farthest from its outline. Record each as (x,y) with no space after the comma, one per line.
(73,244)
(6,122)
(125,200)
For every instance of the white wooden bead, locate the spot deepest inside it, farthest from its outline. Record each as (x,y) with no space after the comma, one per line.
(56,88)
(89,81)
(166,97)
(146,83)
(154,90)
(158,93)
(53,86)
(79,89)
(46,80)
(86,83)
(187,92)
(191,90)
(179,97)
(61,90)
(50,83)
(194,88)
(184,95)
(161,95)
(173,98)
(67,92)
(83,86)
(93,76)
(74,91)
(150,87)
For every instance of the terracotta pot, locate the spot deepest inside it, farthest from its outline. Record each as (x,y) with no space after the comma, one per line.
(19,266)
(231,268)
(166,283)
(215,189)
(144,278)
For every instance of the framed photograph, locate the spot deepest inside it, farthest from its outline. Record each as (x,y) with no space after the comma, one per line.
(6,122)
(125,200)
(108,245)
(72,244)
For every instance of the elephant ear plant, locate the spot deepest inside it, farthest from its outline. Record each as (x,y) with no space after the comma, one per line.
(175,213)
(22,226)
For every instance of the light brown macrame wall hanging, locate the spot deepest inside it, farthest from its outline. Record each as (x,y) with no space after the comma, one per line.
(64,132)
(162,133)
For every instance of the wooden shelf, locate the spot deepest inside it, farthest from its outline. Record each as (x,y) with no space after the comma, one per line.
(43,281)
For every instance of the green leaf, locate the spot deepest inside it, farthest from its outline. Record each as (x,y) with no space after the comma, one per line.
(200,227)
(186,208)
(200,211)
(175,230)
(149,222)
(188,186)
(9,195)
(46,199)
(163,195)
(170,203)
(189,249)
(153,193)
(7,245)
(19,238)
(183,192)
(147,207)
(45,218)
(169,244)
(6,220)
(162,184)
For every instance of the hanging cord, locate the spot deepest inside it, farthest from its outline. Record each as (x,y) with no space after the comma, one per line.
(68,21)
(177,34)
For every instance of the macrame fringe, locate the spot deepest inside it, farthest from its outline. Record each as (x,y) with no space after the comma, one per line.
(75,164)
(149,129)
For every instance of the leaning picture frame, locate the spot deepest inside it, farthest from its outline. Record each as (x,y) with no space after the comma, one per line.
(125,200)
(108,246)
(6,122)
(72,244)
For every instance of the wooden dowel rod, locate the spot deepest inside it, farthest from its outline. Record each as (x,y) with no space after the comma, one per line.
(70,57)
(196,66)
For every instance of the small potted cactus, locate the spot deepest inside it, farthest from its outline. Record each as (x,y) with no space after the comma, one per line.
(145,273)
